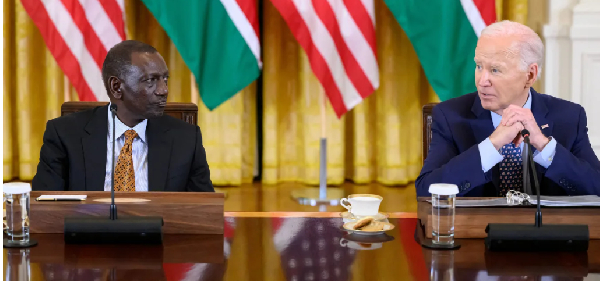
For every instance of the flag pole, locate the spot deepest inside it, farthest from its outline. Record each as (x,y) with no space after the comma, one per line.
(66,89)
(194,90)
(323,196)
(323,150)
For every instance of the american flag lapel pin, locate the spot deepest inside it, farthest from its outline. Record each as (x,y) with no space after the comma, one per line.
(544,126)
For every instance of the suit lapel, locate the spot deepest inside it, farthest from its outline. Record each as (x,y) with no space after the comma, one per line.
(481,122)
(539,109)
(94,150)
(540,112)
(159,151)
(482,126)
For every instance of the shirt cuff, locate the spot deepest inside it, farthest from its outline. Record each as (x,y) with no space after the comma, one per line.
(489,155)
(545,157)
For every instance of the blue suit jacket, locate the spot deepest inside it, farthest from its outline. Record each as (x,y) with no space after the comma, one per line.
(460,124)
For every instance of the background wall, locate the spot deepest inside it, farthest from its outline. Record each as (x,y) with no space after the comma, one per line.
(380,140)
(573,57)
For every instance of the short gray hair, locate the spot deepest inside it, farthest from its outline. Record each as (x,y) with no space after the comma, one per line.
(530,45)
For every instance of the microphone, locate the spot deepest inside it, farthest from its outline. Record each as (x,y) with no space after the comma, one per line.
(113,207)
(101,230)
(525,152)
(527,237)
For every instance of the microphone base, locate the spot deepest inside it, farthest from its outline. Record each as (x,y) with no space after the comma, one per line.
(528,237)
(126,230)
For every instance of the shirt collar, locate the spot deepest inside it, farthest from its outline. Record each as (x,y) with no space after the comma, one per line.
(120,127)
(496,118)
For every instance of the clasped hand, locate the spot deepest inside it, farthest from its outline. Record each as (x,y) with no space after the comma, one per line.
(514,120)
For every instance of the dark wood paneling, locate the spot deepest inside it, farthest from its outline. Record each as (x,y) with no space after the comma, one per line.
(182,212)
(187,112)
(427,121)
(470,222)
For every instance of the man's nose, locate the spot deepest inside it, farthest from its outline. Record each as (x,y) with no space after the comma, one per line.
(484,79)
(162,88)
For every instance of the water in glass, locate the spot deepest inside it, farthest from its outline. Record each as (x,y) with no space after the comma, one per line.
(17,217)
(443,219)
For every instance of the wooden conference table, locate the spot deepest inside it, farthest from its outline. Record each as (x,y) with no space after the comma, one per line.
(292,246)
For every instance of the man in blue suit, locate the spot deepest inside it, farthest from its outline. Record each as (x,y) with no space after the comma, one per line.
(476,142)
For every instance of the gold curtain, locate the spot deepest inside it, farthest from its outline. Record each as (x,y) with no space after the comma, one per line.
(34,92)
(376,141)
(380,139)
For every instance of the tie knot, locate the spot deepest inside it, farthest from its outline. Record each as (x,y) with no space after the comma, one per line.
(129,135)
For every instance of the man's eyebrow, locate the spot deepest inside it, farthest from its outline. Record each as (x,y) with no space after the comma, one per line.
(156,74)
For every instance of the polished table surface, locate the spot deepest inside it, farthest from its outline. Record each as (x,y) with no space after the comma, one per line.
(292,246)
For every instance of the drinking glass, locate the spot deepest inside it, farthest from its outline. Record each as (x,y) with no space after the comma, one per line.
(442,212)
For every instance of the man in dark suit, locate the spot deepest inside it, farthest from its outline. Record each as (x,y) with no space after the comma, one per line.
(476,141)
(153,152)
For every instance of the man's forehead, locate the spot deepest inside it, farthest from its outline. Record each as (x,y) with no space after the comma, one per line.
(496,49)
(147,59)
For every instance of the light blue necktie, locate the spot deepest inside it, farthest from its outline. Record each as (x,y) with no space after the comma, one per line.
(511,169)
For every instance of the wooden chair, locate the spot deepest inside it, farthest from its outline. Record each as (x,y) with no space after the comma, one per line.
(427,121)
(187,112)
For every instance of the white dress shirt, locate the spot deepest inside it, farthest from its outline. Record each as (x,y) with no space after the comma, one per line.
(139,152)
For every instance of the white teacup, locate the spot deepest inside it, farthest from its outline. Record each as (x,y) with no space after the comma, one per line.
(362,204)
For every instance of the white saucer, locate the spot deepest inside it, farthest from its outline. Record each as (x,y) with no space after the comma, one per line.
(378,217)
(349,227)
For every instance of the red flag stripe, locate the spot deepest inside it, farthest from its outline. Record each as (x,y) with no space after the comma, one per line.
(78,33)
(487,9)
(59,49)
(353,69)
(317,62)
(364,22)
(92,42)
(113,10)
(340,55)
(250,10)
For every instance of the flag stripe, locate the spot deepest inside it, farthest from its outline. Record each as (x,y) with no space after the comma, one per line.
(353,70)
(114,12)
(244,27)
(250,10)
(122,7)
(60,16)
(326,47)
(333,37)
(487,11)
(78,33)
(363,21)
(473,15)
(101,23)
(318,64)
(74,13)
(358,44)
(65,58)
(370,8)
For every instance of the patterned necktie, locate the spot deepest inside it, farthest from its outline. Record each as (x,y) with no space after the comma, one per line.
(124,173)
(511,169)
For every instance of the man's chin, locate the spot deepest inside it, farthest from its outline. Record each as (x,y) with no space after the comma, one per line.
(154,114)
(489,106)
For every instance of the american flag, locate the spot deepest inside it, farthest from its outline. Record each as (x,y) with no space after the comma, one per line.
(338,37)
(79,34)
(310,249)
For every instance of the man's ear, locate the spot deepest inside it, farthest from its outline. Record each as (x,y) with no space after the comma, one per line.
(532,74)
(115,85)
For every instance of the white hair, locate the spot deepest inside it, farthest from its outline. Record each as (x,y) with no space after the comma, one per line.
(529,44)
